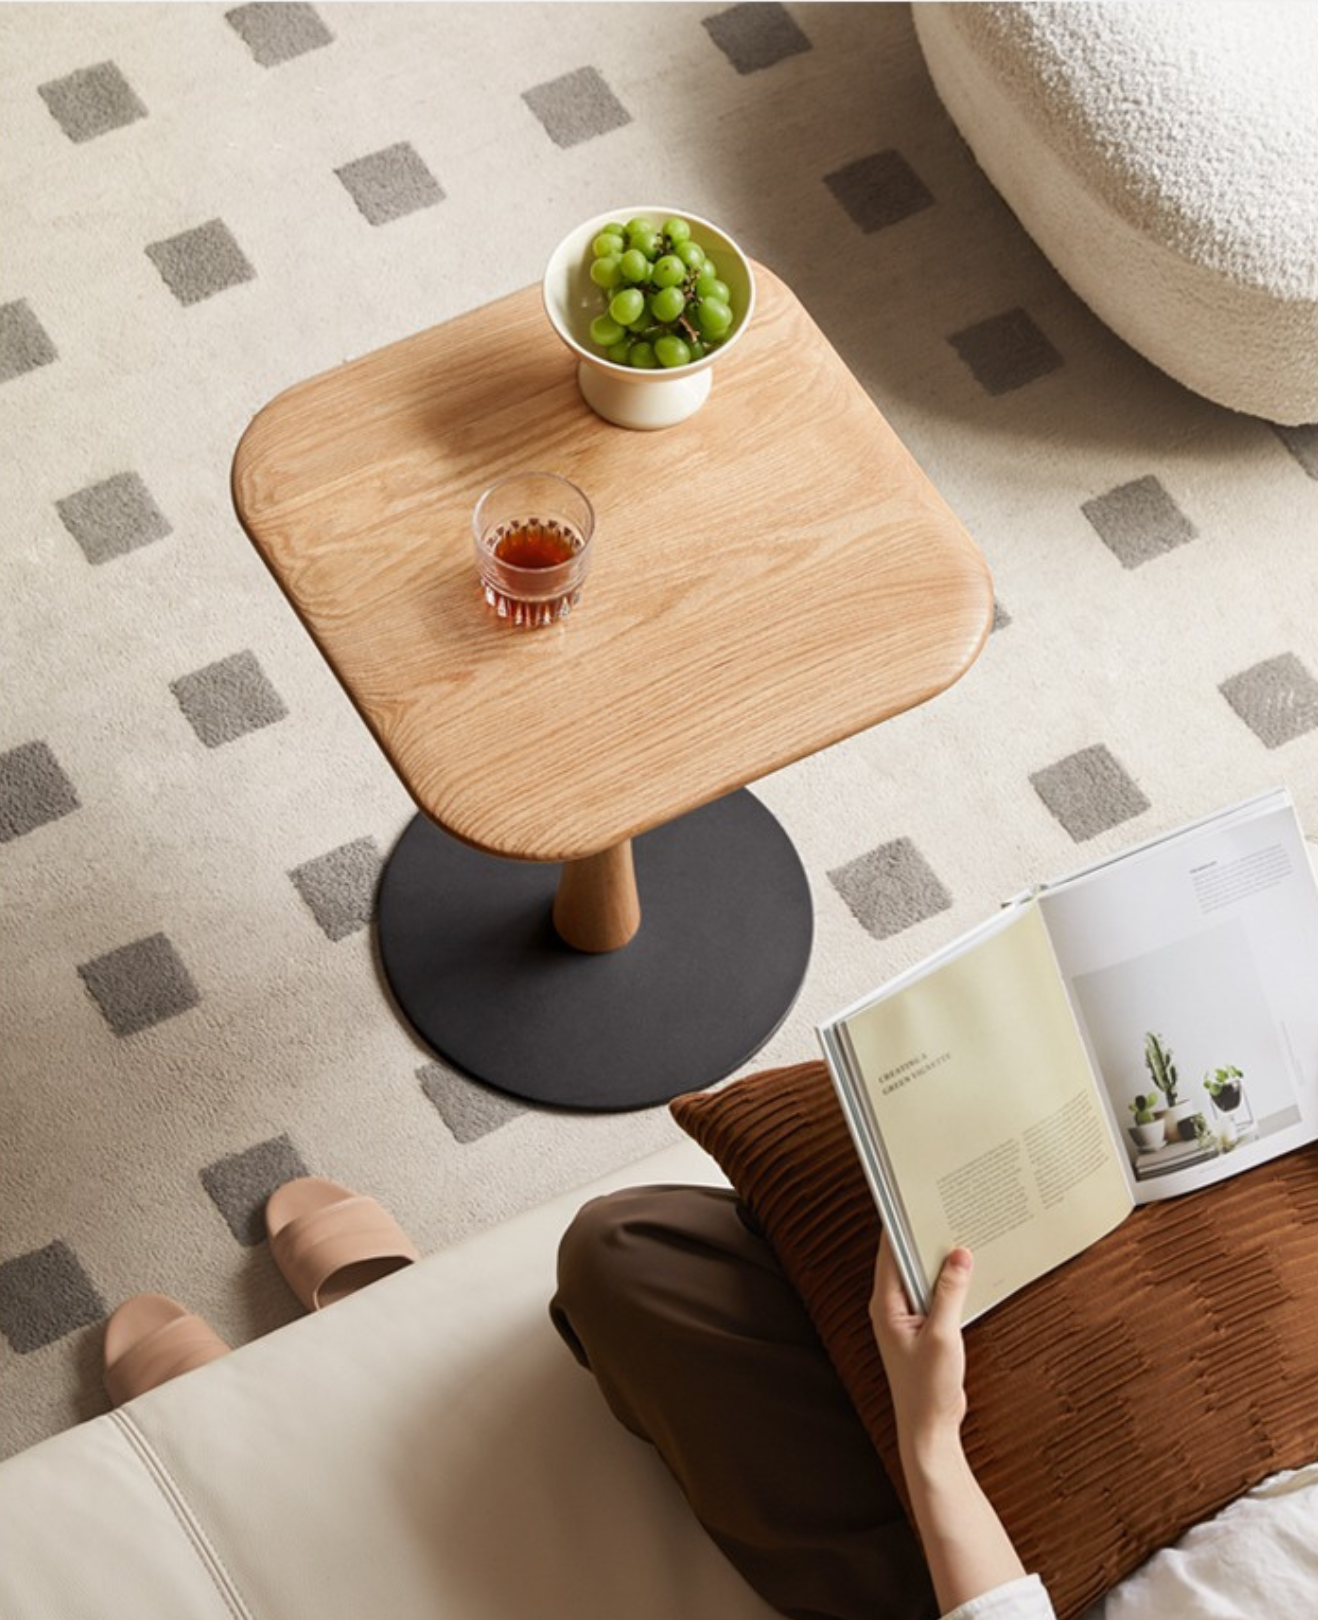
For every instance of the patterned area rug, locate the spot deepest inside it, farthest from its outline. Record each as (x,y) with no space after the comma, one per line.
(203,205)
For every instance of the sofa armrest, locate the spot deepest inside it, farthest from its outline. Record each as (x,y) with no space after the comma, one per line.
(425,1447)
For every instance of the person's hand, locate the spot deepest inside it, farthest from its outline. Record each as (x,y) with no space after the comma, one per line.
(967,1548)
(923,1356)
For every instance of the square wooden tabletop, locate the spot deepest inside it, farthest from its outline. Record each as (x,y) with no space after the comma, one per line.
(770,576)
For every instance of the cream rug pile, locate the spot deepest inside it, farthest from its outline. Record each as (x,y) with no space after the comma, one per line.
(202,205)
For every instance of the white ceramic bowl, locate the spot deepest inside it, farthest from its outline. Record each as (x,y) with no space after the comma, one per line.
(623,394)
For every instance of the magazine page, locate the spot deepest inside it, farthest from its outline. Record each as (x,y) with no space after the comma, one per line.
(973,1089)
(1192,965)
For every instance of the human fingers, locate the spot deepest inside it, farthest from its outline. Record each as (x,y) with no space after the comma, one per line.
(889,1306)
(950,1290)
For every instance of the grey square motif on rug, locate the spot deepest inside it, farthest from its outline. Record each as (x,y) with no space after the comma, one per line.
(113,517)
(469,1110)
(33,790)
(1138,521)
(239,1184)
(139,985)
(388,184)
(92,101)
(879,190)
(226,700)
(1277,699)
(755,36)
(45,1295)
(1005,352)
(197,264)
(339,888)
(577,107)
(1089,792)
(1302,442)
(891,888)
(277,33)
(24,344)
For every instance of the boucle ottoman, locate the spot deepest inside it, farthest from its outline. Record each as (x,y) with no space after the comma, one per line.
(1165,159)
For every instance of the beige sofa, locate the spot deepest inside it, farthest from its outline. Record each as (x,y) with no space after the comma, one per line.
(428,1447)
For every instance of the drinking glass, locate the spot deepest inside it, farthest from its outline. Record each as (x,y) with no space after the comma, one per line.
(533,534)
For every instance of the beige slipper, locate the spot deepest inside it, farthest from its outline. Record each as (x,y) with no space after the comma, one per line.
(330,1241)
(151,1339)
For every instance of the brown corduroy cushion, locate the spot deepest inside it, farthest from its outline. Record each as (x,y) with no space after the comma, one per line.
(1115,1402)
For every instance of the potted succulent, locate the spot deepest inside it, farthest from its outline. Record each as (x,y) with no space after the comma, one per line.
(1225,1088)
(1178,1116)
(1149,1130)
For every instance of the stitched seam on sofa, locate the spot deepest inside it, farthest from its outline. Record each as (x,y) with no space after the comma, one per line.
(191,1525)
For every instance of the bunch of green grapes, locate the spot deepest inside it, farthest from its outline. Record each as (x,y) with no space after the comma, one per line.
(664,303)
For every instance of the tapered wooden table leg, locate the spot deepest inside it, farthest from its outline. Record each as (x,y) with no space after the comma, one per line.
(596,907)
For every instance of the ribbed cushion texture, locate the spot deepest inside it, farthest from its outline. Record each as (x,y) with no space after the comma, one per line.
(1113,1403)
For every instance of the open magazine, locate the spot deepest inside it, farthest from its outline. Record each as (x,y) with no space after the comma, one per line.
(1143,1028)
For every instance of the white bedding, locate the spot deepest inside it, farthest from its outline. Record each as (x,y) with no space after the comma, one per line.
(1256,1560)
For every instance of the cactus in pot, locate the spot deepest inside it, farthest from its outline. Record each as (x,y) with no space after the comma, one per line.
(1148,1131)
(1162,1071)
(1179,1117)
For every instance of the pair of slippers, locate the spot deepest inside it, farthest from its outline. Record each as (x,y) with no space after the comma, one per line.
(327,1240)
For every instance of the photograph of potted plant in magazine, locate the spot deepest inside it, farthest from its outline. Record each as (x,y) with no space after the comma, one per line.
(1138,1030)
(1208,1017)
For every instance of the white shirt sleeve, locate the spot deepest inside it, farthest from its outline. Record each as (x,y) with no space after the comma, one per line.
(1023,1599)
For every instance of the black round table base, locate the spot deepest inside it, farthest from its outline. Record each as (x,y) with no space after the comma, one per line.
(470,952)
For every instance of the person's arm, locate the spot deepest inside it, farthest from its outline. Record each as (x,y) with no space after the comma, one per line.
(968,1551)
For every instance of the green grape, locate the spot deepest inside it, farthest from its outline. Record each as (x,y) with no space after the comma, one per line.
(604,330)
(668,304)
(605,272)
(708,285)
(713,317)
(628,306)
(670,350)
(668,271)
(665,304)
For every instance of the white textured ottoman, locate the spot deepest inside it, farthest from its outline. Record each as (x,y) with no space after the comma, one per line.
(1165,159)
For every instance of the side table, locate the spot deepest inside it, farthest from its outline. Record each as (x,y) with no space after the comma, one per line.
(590,908)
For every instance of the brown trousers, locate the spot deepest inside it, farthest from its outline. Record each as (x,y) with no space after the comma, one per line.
(677,1304)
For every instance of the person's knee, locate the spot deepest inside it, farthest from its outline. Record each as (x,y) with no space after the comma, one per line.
(595,1272)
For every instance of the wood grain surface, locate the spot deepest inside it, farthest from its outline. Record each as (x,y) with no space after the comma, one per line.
(770,576)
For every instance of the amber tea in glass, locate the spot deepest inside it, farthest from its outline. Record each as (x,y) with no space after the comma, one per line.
(533,533)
